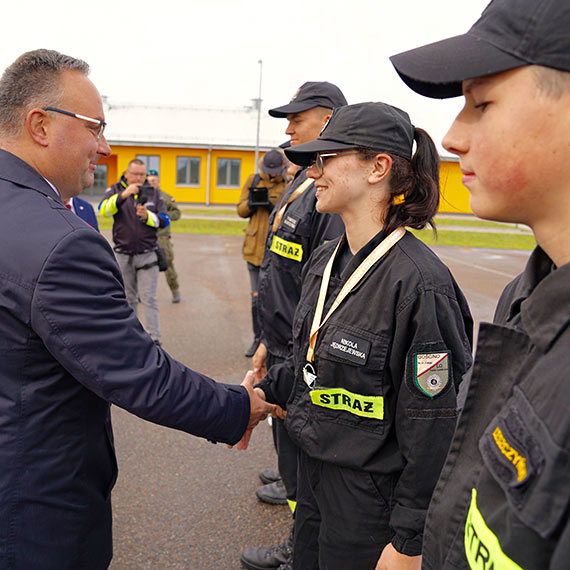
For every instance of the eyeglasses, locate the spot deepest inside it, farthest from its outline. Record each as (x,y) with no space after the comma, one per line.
(319,163)
(100,124)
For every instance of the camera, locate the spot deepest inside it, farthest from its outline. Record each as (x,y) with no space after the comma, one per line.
(258,196)
(146,191)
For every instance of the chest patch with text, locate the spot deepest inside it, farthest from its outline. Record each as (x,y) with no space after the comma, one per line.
(290,222)
(349,347)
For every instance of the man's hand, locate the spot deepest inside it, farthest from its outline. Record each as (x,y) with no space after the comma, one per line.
(259,408)
(130,190)
(258,361)
(142,212)
(391,559)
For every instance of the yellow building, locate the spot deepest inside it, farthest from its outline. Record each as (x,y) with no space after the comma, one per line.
(204,155)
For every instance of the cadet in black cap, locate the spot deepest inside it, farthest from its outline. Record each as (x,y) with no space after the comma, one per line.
(382,337)
(296,229)
(503,499)
(258,196)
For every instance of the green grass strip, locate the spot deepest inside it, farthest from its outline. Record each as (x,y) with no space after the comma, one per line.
(209,212)
(473,222)
(477,239)
(445,237)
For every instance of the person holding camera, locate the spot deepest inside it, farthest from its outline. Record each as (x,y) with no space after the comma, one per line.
(258,196)
(138,212)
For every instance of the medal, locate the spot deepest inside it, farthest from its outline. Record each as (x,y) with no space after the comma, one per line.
(309,375)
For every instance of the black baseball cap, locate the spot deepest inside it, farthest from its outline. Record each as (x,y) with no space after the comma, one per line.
(376,126)
(310,95)
(509,34)
(273,163)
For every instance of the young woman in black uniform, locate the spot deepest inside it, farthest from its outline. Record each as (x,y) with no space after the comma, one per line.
(382,337)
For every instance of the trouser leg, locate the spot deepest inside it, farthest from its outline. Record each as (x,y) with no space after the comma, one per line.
(355,508)
(127,266)
(286,459)
(147,281)
(286,449)
(307,519)
(253,272)
(170,273)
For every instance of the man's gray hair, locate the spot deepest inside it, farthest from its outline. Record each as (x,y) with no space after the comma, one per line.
(33,80)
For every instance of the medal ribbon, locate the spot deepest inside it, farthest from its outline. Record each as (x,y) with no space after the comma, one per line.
(278,217)
(379,251)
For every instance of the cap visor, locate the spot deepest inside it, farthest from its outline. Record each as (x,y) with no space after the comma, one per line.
(290,108)
(272,171)
(437,70)
(305,154)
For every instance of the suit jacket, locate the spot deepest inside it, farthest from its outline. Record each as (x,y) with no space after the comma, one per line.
(70,345)
(85,211)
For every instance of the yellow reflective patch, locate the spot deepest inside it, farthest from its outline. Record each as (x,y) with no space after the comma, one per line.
(292,505)
(482,548)
(510,453)
(287,249)
(341,399)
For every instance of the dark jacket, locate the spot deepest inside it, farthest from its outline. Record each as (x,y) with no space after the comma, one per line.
(256,230)
(301,231)
(132,235)
(85,211)
(407,308)
(69,345)
(504,493)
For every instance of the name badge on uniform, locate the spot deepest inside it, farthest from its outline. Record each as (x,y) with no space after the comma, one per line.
(290,222)
(309,375)
(431,372)
(349,347)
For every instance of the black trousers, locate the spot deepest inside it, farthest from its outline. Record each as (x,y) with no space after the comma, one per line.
(342,520)
(285,448)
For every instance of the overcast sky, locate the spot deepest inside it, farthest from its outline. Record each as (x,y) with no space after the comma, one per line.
(207,52)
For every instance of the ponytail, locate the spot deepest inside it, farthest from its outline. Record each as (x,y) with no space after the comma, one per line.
(414,186)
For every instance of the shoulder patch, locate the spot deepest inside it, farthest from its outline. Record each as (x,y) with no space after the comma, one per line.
(431,372)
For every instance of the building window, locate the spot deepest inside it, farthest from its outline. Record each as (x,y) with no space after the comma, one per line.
(229,172)
(187,171)
(99,181)
(152,162)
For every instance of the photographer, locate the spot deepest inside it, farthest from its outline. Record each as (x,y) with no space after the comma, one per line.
(258,196)
(138,212)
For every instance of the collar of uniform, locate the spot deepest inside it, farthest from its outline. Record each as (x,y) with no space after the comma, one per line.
(545,288)
(16,170)
(360,255)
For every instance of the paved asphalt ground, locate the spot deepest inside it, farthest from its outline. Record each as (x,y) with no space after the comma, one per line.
(181,502)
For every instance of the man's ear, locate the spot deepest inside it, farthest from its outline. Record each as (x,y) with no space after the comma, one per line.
(36,126)
(381,166)
(326,119)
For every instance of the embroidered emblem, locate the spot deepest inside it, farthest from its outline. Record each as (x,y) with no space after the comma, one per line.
(295,95)
(431,372)
(349,347)
(513,456)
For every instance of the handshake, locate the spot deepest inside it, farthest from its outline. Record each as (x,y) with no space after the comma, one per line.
(259,408)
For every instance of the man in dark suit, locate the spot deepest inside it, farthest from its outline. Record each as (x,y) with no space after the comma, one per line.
(69,342)
(84,210)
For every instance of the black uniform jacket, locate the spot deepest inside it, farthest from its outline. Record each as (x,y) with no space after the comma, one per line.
(369,356)
(69,345)
(301,231)
(503,500)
